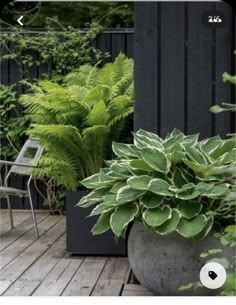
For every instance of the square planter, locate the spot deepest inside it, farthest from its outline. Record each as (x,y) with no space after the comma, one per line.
(80,240)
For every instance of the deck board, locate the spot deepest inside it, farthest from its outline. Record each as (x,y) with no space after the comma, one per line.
(42,267)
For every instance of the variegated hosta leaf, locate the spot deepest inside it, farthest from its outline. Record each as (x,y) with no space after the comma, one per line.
(91,181)
(218,191)
(156,217)
(149,135)
(127,194)
(101,209)
(206,229)
(124,150)
(179,177)
(150,200)
(190,140)
(196,167)
(94,181)
(139,182)
(121,169)
(189,209)
(195,155)
(209,145)
(173,143)
(93,197)
(142,141)
(141,165)
(169,225)
(192,227)
(187,192)
(225,147)
(160,187)
(102,225)
(122,216)
(177,156)
(118,186)
(156,159)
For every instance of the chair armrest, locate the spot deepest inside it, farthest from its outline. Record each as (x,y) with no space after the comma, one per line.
(17,164)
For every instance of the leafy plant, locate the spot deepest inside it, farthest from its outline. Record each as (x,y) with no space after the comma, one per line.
(11,130)
(77,121)
(173,184)
(226,106)
(227,239)
(58,51)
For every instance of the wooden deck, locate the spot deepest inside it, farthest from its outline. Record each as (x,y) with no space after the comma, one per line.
(42,267)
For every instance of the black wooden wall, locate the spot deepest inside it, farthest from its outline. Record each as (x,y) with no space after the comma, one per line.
(178,67)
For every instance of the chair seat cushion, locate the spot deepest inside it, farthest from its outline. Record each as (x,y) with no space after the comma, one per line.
(5,190)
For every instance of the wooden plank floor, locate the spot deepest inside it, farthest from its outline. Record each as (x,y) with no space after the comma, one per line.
(42,267)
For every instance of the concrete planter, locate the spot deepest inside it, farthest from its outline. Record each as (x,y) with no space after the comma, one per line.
(164,263)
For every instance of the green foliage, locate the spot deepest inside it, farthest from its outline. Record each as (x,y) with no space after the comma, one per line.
(111,14)
(173,184)
(226,106)
(58,50)
(77,120)
(11,130)
(228,239)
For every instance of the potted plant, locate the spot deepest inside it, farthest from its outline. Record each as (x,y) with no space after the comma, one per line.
(175,192)
(76,122)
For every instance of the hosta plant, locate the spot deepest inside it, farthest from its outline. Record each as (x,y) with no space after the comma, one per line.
(177,184)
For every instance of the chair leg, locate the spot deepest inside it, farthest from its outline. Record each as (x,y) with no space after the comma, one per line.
(33,213)
(10,212)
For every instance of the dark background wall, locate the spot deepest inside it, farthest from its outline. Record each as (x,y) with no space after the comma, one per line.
(179,64)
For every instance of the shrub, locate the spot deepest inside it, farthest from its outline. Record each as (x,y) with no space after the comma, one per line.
(174,184)
(77,121)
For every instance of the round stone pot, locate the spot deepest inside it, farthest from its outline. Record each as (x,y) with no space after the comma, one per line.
(163,263)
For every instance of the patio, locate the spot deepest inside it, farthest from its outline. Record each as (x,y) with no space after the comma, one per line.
(42,267)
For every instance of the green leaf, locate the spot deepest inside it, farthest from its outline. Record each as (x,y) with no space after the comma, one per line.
(195,155)
(91,181)
(140,164)
(93,197)
(211,144)
(102,225)
(187,192)
(189,209)
(177,156)
(197,168)
(121,169)
(191,227)
(179,178)
(149,135)
(225,147)
(190,140)
(110,200)
(160,187)
(139,182)
(170,225)
(156,217)
(124,150)
(122,217)
(101,209)
(150,200)
(156,159)
(217,191)
(117,186)
(127,194)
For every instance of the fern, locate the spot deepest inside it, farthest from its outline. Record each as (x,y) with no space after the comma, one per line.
(77,120)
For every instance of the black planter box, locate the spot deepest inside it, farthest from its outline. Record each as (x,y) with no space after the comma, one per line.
(78,231)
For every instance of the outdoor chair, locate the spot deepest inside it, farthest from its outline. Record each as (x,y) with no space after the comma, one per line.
(24,164)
